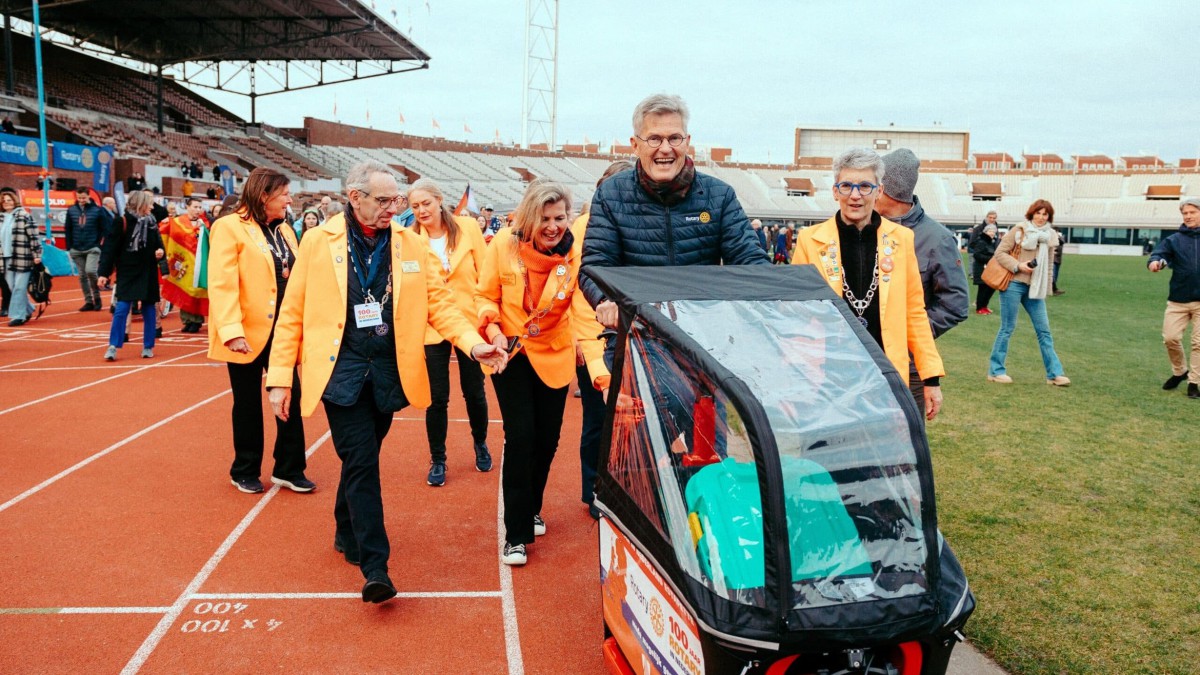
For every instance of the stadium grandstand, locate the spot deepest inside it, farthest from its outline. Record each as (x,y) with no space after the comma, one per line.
(1103,205)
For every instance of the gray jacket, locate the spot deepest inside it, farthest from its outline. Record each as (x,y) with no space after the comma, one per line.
(942,274)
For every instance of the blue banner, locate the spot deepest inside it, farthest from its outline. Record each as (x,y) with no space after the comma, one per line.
(74,157)
(102,177)
(20,150)
(226,179)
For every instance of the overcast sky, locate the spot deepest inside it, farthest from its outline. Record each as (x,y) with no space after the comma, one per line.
(1071,77)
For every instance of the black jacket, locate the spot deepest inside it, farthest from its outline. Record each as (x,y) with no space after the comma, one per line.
(628,228)
(137,271)
(86,226)
(1181,251)
(982,248)
(942,276)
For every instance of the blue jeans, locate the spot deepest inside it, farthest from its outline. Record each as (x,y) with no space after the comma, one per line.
(18,306)
(116,334)
(1011,300)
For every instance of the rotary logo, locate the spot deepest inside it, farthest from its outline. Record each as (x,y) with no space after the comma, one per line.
(86,158)
(656,617)
(704,217)
(104,156)
(32,152)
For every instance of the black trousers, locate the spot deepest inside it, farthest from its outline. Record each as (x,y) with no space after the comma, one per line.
(470,380)
(358,431)
(5,294)
(983,296)
(246,381)
(533,415)
(589,437)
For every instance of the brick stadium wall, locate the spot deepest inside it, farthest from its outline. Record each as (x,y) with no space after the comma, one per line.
(9,177)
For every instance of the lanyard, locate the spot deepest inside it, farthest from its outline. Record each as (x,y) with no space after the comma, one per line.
(372,263)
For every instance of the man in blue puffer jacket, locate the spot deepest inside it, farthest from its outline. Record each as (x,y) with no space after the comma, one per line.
(663,212)
(1181,252)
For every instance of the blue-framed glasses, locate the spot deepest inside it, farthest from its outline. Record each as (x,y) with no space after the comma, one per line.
(864,188)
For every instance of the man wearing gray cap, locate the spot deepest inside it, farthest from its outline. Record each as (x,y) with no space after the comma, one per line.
(942,276)
(1181,252)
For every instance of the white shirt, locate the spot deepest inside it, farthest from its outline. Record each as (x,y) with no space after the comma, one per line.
(439,247)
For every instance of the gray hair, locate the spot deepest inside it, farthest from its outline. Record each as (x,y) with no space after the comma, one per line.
(1190,201)
(659,104)
(859,158)
(360,174)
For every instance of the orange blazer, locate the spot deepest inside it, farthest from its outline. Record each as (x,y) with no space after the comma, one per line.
(241,286)
(499,297)
(313,315)
(903,322)
(465,262)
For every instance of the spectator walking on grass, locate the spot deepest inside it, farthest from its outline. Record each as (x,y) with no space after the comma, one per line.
(982,248)
(1181,252)
(1028,251)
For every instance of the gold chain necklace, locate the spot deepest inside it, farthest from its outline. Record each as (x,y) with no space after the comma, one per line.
(536,315)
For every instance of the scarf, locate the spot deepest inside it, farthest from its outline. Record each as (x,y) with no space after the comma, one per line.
(6,234)
(669,192)
(1038,238)
(538,266)
(141,231)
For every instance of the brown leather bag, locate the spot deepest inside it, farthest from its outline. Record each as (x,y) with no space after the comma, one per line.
(995,274)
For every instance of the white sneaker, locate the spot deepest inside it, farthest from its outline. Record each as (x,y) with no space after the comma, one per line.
(110,354)
(539,526)
(514,554)
(147,353)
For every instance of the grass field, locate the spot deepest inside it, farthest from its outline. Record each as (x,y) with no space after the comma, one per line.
(1075,511)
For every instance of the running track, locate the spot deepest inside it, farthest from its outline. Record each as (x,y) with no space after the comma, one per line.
(126,550)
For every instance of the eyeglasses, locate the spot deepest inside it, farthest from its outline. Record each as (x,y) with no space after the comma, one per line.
(385,202)
(864,188)
(674,140)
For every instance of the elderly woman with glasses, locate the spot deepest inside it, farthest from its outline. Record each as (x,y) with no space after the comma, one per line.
(870,262)
(22,249)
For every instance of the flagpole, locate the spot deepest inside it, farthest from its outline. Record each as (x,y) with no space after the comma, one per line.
(37,55)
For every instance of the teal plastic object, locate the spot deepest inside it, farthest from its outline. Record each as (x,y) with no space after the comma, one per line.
(725,506)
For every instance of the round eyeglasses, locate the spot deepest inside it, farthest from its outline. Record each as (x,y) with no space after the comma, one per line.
(674,140)
(846,187)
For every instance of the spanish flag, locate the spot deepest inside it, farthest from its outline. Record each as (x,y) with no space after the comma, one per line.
(181,239)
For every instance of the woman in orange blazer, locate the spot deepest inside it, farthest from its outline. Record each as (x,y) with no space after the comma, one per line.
(252,252)
(892,306)
(458,244)
(527,301)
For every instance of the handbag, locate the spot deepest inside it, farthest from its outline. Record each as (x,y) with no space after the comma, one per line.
(995,274)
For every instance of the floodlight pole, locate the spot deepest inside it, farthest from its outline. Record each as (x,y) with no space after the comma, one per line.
(10,82)
(541,73)
(159,87)
(37,55)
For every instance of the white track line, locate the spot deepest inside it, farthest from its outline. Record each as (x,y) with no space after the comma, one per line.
(508,602)
(84,610)
(164,624)
(43,332)
(44,358)
(340,596)
(100,381)
(10,369)
(66,472)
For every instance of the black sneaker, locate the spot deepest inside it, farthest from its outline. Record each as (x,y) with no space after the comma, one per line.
(300,484)
(1174,381)
(348,548)
(87,307)
(483,458)
(437,474)
(1193,391)
(17,322)
(248,485)
(514,554)
(378,588)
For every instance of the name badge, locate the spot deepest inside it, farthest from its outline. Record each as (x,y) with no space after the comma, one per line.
(368,314)
(409,266)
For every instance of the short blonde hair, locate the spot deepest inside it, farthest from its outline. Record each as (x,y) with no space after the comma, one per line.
(139,202)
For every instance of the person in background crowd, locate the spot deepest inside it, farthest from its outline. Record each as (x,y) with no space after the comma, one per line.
(182,237)
(590,398)
(459,247)
(494,222)
(20,250)
(373,367)
(134,183)
(252,253)
(8,126)
(1058,256)
(783,245)
(757,226)
(308,220)
(323,210)
(216,171)
(188,188)
(947,298)
(226,207)
(85,227)
(1031,270)
(1181,252)
(871,263)
(982,248)
(664,212)
(527,303)
(133,252)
